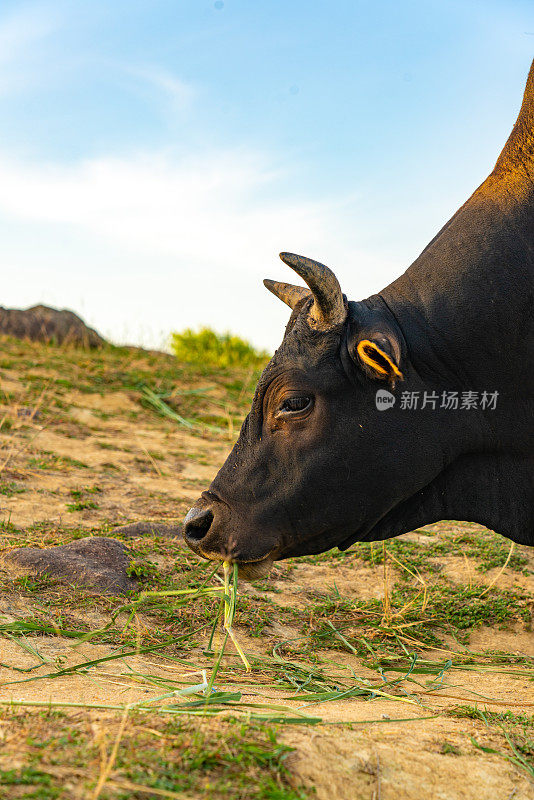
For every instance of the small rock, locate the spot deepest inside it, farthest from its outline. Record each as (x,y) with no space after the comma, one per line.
(149,529)
(95,562)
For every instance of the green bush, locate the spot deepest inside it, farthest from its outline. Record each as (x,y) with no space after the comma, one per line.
(208,348)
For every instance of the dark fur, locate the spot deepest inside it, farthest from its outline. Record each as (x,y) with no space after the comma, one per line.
(460,318)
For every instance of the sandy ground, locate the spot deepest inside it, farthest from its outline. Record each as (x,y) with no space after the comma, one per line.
(146,467)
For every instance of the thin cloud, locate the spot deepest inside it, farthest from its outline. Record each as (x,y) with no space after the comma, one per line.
(156,80)
(155,242)
(20,32)
(212,209)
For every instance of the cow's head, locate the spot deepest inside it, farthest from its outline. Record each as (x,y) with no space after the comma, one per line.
(317,462)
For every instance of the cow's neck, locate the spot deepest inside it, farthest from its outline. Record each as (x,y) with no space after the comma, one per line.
(469,297)
(495,492)
(465,308)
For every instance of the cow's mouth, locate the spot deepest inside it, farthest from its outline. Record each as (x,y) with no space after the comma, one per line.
(248,570)
(255,570)
(206,534)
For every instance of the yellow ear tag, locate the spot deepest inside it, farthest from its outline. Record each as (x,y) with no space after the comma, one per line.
(367,349)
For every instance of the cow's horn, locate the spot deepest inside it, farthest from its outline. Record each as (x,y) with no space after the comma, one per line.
(286,292)
(329,307)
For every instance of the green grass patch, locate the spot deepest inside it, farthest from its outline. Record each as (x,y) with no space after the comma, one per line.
(492,717)
(10,488)
(228,759)
(46,460)
(81,501)
(206,347)
(414,618)
(81,505)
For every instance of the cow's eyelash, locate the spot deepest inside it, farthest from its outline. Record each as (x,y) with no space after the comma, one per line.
(293,405)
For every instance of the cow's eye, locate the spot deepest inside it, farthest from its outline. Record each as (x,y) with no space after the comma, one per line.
(293,404)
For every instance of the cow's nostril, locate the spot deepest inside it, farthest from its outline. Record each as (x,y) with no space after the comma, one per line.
(197,523)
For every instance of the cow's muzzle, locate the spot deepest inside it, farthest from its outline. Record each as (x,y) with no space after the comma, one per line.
(209,532)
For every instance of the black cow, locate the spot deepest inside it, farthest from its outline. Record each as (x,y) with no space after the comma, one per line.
(327,456)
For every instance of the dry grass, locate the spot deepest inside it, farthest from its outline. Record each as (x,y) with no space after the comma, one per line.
(364,648)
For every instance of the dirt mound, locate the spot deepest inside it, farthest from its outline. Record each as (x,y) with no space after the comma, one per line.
(94,563)
(138,529)
(44,324)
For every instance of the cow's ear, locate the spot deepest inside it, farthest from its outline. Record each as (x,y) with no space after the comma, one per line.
(378,355)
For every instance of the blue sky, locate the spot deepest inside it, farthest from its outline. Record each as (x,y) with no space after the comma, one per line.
(156,156)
